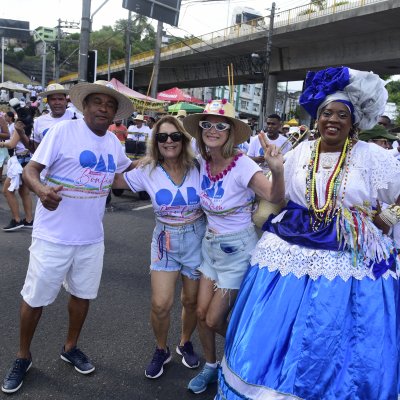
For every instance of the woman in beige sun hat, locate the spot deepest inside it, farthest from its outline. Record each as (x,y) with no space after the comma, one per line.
(229,181)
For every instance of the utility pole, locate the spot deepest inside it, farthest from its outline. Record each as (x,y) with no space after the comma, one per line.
(61,24)
(127,49)
(84,41)
(266,68)
(157,54)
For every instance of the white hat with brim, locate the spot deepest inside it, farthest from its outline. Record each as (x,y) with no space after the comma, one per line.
(139,117)
(79,92)
(221,108)
(54,88)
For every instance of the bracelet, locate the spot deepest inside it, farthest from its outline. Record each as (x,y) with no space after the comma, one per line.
(391,215)
(395,209)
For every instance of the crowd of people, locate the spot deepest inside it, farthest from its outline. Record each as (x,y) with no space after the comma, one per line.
(308,310)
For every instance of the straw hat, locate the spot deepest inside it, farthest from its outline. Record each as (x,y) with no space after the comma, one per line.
(239,129)
(139,117)
(181,114)
(79,92)
(54,88)
(377,132)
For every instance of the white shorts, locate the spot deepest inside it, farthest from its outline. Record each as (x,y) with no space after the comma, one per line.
(51,265)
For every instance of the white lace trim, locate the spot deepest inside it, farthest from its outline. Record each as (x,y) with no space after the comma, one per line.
(276,254)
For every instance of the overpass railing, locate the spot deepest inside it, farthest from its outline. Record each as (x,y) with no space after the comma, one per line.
(284,18)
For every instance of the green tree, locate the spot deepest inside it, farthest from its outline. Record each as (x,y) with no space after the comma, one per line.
(142,33)
(106,38)
(321,4)
(393,89)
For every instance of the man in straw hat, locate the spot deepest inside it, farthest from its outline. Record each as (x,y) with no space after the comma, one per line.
(57,101)
(81,157)
(139,131)
(181,115)
(380,136)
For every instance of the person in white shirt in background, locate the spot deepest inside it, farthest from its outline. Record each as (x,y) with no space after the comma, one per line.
(285,130)
(256,152)
(381,137)
(139,132)
(13,182)
(5,135)
(57,101)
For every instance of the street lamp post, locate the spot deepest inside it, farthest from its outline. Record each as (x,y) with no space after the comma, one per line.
(43,61)
(266,68)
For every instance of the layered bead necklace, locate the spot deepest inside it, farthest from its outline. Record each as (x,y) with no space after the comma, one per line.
(219,176)
(325,214)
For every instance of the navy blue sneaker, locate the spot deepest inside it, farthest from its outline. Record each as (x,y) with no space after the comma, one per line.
(156,366)
(78,359)
(15,376)
(189,358)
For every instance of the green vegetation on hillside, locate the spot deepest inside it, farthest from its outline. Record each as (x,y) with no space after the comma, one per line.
(14,75)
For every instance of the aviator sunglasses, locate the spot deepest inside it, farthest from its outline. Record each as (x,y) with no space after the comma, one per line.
(162,137)
(219,126)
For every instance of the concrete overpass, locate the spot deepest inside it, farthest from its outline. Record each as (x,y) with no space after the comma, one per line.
(362,34)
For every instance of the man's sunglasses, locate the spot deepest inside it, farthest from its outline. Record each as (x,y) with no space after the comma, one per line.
(219,126)
(162,137)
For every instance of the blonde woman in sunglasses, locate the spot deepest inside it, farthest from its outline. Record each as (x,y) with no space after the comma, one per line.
(229,182)
(170,176)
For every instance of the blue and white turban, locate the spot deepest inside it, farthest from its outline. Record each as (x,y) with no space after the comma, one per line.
(363,92)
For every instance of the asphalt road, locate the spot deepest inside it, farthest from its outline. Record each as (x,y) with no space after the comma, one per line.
(117,334)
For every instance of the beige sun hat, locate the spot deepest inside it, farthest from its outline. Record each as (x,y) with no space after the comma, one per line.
(222,108)
(139,117)
(79,92)
(181,113)
(54,88)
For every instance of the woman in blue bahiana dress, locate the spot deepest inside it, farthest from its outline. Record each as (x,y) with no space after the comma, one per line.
(317,316)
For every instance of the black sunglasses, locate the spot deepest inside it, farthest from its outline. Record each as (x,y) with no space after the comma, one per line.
(163,137)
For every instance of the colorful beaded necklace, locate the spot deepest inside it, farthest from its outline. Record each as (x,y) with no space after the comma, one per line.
(219,176)
(324,214)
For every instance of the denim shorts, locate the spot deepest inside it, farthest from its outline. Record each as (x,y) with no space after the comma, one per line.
(226,256)
(178,248)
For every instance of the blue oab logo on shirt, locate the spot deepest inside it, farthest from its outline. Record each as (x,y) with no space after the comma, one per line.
(88,159)
(166,197)
(97,173)
(213,190)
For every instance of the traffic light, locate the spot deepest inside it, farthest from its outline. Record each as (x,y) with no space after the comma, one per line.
(92,66)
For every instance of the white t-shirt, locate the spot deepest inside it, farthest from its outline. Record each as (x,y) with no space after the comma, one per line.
(139,134)
(228,202)
(243,147)
(256,150)
(172,204)
(85,164)
(20,147)
(43,123)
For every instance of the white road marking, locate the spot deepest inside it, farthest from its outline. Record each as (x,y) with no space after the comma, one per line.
(142,208)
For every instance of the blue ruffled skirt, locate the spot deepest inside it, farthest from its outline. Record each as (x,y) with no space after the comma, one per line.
(295,337)
(312,339)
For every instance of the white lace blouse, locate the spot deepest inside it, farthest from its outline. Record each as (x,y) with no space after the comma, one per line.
(373,174)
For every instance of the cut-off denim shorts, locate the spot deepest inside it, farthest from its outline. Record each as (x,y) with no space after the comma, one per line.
(178,248)
(226,256)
